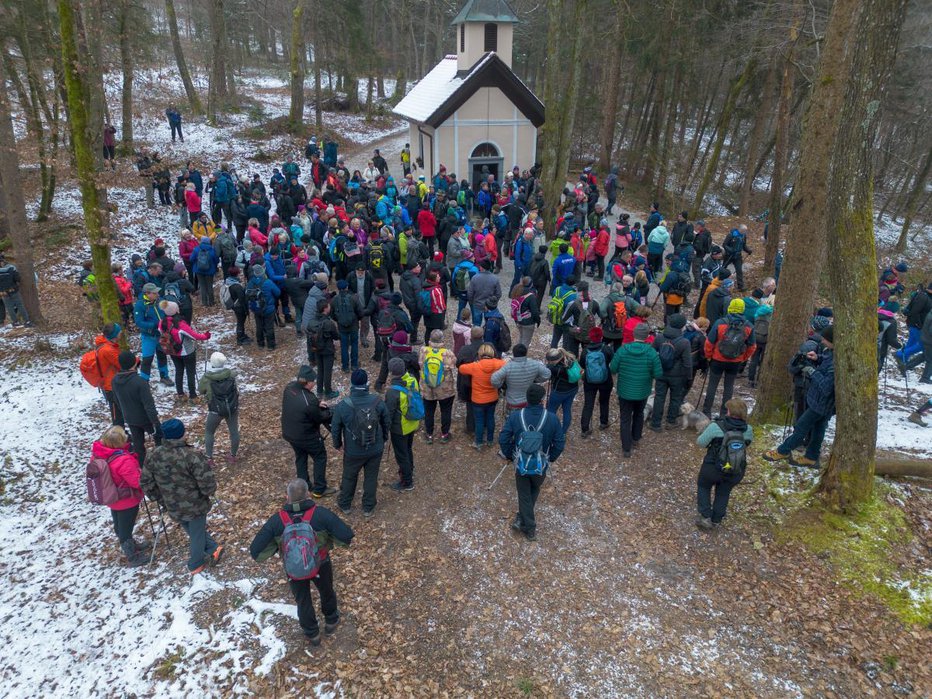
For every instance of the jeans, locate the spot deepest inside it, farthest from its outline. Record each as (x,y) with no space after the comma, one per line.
(709,508)
(301,589)
(124,521)
(402,445)
(324,374)
(564,400)
(716,370)
(811,424)
(205,286)
(676,387)
(484,414)
(528,488)
(349,350)
(13,303)
(461,304)
(446,414)
(526,334)
(201,544)
(150,348)
(632,421)
(185,366)
(912,345)
(352,465)
(265,329)
(176,130)
(116,412)
(314,447)
(210,428)
(604,393)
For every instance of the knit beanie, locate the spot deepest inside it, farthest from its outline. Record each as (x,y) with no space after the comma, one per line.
(359,378)
(218,360)
(400,337)
(736,306)
(678,321)
(258,271)
(127,360)
(170,308)
(641,331)
(595,335)
(112,331)
(396,366)
(173,428)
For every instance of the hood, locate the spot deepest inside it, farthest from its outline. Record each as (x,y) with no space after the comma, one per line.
(672,333)
(359,391)
(763,310)
(230,281)
(218,374)
(880,312)
(660,229)
(102,452)
(733,423)
(100,340)
(123,377)
(205,244)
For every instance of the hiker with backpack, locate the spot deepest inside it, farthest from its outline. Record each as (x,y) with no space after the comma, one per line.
(561,301)
(125,297)
(225,247)
(532,439)
(637,365)
(735,246)
(719,298)
(362,286)
(177,340)
(657,240)
(925,340)
(147,315)
(462,276)
(613,312)
(132,394)
(411,285)
(539,271)
(709,279)
(483,288)
(309,315)
(101,364)
(398,346)
(578,319)
(730,343)
(180,479)
(361,426)
(177,288)
(275,271)
(303,414)
(406,409)
(516,375)
(438,385)
(525,310)
(218,386)
(726,441)
(346,310)
(321,336)
(483,393)
(565,373)
(261,295)
(186,247)
(204,261)
(113,480)
(916,311)
(675,288)
(675,354)
(762,317)
(233,298)
(702,246)
(595,360)
(296,289)
(303,533)
(496,330)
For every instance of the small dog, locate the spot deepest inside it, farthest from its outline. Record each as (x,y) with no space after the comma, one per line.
(690,418)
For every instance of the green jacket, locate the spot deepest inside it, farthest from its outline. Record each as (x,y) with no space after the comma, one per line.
(206,382)
(637,365)
(180,479)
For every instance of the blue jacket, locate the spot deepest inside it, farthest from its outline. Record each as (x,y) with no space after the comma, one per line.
(195,177)
(469,267)
(484,200)
(260,213)
(224,187)
(563,268)
(275,269)
(524,253)
(552,431)
(652,222)
(821,394)
(268,292)
(147,315)
(205,249)
(383,208)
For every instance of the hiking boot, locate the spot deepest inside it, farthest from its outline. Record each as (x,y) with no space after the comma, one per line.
(142,544)
(165,381)
(656,428)
(476,446)
(703,522)
(774,455)
(398,486)
(134,557)
(626,454)
(916,419)
(330,627)
(231,460)
(635,444)
(531,535)
(345,510)
(326,492)
(210,462)
(199,569)
(603,427)
(804,461)
(216,555)
(314,640)
(368,513)
(585,434)
(516,522)
(429,438)
(444,438)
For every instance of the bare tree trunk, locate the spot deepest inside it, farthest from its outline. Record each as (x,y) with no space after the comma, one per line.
(761,117)
(296,115)
(919,187)
(611,85)
(318,90)
(194,100)
(126,63)
(217,86)
(14,208)
(848,478)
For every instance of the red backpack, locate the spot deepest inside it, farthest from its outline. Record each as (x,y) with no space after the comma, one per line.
(101,490)
(169,339)
(90,368)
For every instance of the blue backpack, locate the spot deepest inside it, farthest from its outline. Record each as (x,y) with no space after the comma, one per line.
(493,327)
(222,189)
(423,300)
(596,367)
(415,409)
(531,459)
(302,553)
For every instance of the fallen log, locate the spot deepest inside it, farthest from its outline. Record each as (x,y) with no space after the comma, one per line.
(889,466)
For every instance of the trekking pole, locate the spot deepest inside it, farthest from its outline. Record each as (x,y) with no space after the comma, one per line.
(145,503)
(705,375)
(786,421)
(162,518)
(507,464)
(909,396)
(155,545)
(885,386)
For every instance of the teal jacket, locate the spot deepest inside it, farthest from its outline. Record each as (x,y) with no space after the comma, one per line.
(637,365)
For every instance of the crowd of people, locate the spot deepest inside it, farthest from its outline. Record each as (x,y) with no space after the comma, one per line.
(411,270)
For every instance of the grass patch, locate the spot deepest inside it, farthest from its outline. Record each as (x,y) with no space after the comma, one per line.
(168,666)
(526,686)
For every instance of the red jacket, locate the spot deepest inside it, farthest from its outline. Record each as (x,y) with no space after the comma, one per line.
(192,201)
(124,288)
(491,246)
(717,333)
(601,243)
(186,247)
(426,223)
(108,354)
(124,470)
(627,335)
(257,237)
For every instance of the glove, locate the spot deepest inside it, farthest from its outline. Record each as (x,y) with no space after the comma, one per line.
(207,334)
(808,371)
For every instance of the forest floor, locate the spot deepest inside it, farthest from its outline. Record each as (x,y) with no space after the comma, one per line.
(620,596)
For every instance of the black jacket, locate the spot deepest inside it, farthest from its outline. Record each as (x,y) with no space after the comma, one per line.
(330,529)
(717,305)
(368,286)
(467,354)
(702,243)
(683,362)
(917,308)
(410,288)
(135,398)
(346,311)
(682,233)
(344,423)
(302,415)
(297,290)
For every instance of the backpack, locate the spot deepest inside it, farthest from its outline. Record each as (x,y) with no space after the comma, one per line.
(532,459)
(253,295)
(557,305)
(493,329)
(461,197)
(617,317)
(733,452)
(226,297)
(169,339)
(461,280)
(432,371)
(574,372)
(414,411)
(343,311)
(596,367)
(224,397)
(172,292)
(227,248)
(90,368)
(203,263)
(350,248)
(762,329)
(385,324)
(516,311)
(732,343)
(376,256)
(423,301)
(7,281)
(365,425)
(301,551)
(683,285)
(101,490)
(667,354)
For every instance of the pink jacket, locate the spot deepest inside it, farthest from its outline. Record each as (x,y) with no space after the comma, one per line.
(192,201)
(124,469)
(257,237)
(186,247)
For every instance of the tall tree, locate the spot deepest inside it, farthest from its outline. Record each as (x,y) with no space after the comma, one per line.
(611,84)
(194,100)
(14,207)
(806,242)
(296,114)
(126,63)
(848,478)
(93,200)
(912,203)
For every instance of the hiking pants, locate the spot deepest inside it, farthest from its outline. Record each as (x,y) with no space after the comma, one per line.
(185,366)
(563,400)
(716,370)
(116,412)
(324,373)
(632,421)
(812,425)
(314,447)
(15,310)
(446,414)
(676,387)
(737,262)
(557,335)
(756,360)
(150,348)
(205,286)
(349,350)
(352,465)
(669,309)
(402,445)
(528,488)
(201,544)
(526,334)
(604,393)
(265,329)
(137,435)
(176,131)
(241,315)
(415,320)
(210,429)
(696,269)
(709,508)
(913,344)
(301,589)
(124,521)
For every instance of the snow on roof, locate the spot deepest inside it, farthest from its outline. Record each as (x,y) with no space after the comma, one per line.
(436,88)
(486,11)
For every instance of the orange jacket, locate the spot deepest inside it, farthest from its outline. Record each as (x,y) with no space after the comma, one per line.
(713,285)
(717,333)
(481,372)
(108,353)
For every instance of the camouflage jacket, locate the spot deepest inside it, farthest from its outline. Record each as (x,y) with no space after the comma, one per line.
(179,478)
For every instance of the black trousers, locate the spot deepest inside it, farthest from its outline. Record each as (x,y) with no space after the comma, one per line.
(676,387)
(754,365)
(265,329)
(591,391)
(470,418)
(185,366)
(403,446)
(415,321)
(718,369)
(352,465)
(137,434)
(324,373)
(655,262)
(124,521)
(315,448)
(241,315)
(176,131)
(632,421)
(528,488)
(116,412)
(709,508)
(738,263)
(301,589)
(446,414)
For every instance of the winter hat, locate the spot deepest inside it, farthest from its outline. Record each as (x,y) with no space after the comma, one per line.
(728,283)
(321,277)
(218,360)
(306,373)
(724,273)
(173,428)
(825,312)
(595,335)
(114,333)
(700,222)
(678,320)
(641,331)
(149,288)
(436,336)
(819,323)
(396,298)
(158,242)
(438,256)
(341,285)
(359,378)
(891,306)
(901,267)
(258,271)
(127,360)
(828,334)
(178,268)
(535,394)
(736,306)
(169,307)
(135,257)
(716,250)
(396,366)
(400,337)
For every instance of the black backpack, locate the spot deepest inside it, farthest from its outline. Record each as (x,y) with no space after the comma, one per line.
(667,354)
(224,397)
(343,311)
(683,285)
(364,427)
(732,343)
(732,452)
(7,278)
